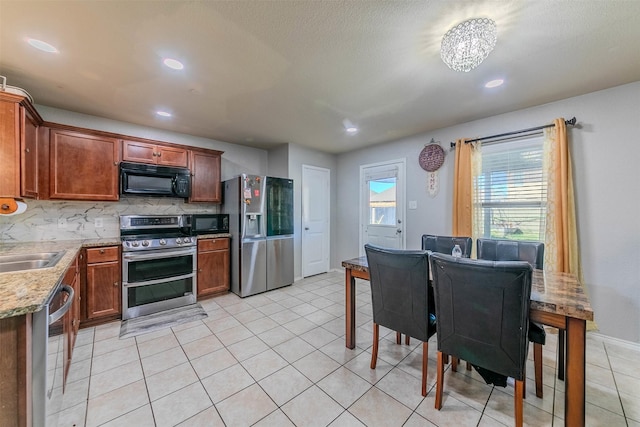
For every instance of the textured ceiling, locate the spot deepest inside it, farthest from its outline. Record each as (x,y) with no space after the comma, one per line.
(261,73)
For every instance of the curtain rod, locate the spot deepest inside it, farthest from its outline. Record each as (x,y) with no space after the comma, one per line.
(571,122)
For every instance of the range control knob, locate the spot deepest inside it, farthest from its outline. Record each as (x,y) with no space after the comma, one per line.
(162,242)
(135,244)
(186,240)
(145,243)
(178,240)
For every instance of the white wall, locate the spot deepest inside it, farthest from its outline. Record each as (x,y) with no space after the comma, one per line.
(606,165)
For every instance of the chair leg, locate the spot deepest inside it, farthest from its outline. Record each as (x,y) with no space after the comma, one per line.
(468,366)
(561,345)
(518,396)
(407,339)
(425,363)
(374,351)
(398,337)
(537,362)
(439,380)
(454,363)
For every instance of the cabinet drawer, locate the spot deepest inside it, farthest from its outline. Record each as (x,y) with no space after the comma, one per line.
(213,244)
(102,254)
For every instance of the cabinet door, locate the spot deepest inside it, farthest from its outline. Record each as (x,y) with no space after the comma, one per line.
(213,268)
(29,154)
(171,156)
(205,177)
(103,290)
(83,166)
(9,149)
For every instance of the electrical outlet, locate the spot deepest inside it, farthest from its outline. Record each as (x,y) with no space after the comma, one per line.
(98,223)
(62,223)
(413,204)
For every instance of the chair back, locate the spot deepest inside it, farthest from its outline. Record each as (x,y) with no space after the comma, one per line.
(482,311)
(399,281)
(445,244)
(511,250)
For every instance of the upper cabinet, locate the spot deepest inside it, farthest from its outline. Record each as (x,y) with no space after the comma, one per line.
(205,176)
(83,166)
(157,154)
(19,123)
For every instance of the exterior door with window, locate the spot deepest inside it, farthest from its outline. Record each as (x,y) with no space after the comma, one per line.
(382,205)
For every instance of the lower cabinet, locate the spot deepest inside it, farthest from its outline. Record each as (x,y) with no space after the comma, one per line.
(103,291)
(213,266)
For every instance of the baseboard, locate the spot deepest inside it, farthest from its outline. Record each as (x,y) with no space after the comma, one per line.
(618,341)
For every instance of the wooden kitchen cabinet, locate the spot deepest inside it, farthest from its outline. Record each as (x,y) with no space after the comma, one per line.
(19,123)
(205,176)
(213,266)
(157,154)
(103,292)
(83,166)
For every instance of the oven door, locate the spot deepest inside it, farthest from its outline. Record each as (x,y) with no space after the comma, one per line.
(157,280)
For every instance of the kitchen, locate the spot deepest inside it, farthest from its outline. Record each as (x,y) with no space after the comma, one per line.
(596,149)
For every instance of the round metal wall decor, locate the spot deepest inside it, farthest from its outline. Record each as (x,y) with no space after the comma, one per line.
(431,157)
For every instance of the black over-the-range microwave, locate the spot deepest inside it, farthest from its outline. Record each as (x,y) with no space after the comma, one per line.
(150,180)
(196,224)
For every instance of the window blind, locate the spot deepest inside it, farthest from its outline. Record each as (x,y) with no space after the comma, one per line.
(511,191)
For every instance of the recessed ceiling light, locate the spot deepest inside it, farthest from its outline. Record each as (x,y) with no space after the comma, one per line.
(163,113)
(173,63)
(494,83)
(349,127)
(43,46)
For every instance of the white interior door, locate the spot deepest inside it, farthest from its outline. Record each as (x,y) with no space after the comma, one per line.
(315,220)
(382,214)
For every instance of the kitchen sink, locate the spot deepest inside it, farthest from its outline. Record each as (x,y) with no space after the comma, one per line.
(32,261)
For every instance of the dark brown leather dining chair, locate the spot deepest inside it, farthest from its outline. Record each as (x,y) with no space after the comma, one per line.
(482,312)
(533,253)
(445,244)
(400,299)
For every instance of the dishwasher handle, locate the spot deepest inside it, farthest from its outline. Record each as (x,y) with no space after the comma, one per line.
(54,317)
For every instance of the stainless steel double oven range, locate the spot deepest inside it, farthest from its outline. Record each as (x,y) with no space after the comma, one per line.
(159,264)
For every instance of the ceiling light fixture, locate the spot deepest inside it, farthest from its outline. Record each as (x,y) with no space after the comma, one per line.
(349,127)
(173,63)
(494,83)
(43,46)
(163,113)
(467,44)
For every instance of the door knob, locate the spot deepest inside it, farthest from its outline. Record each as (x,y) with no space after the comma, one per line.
(398,231)
(306,228)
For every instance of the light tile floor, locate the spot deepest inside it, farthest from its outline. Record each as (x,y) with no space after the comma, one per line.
(279,359)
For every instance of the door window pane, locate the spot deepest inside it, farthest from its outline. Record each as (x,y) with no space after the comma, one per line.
(382,201)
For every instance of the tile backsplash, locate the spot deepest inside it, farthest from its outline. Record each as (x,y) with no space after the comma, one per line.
(46,220)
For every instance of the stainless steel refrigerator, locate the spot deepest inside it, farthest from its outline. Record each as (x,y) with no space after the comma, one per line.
(261,225)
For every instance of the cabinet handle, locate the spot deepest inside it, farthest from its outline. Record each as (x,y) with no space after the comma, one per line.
(101,251)
(199,270)
(115,283)
(159,154)
(154,154)
(27,150)
(115,163)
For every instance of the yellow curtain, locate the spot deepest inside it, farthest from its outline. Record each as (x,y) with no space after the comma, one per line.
(561,236)
(462,190)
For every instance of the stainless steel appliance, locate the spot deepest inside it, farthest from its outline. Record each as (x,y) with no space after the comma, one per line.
(279,232)
(159,264)
(261,251)
(150,180)
(197,224)
(48,355)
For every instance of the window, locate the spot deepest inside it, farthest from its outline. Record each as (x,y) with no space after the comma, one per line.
(382,201)
(511,191)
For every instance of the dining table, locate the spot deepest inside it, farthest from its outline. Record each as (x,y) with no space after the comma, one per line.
(557,300)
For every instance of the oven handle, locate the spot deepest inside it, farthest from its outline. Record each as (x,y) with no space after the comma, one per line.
(134,256)
(155,282)
(55,316)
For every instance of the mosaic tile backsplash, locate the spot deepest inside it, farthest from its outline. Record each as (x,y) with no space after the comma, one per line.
(46,220)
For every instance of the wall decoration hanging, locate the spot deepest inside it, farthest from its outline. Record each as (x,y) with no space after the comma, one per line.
(430,159)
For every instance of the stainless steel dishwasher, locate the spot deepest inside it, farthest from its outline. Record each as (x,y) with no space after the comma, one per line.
(48,352)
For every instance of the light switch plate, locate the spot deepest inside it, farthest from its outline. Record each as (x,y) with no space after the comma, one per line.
(413,204)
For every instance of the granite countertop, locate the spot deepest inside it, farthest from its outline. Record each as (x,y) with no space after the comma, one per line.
(27,291)
(24,292)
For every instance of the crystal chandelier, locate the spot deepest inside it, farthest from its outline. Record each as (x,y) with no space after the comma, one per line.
(467,44)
